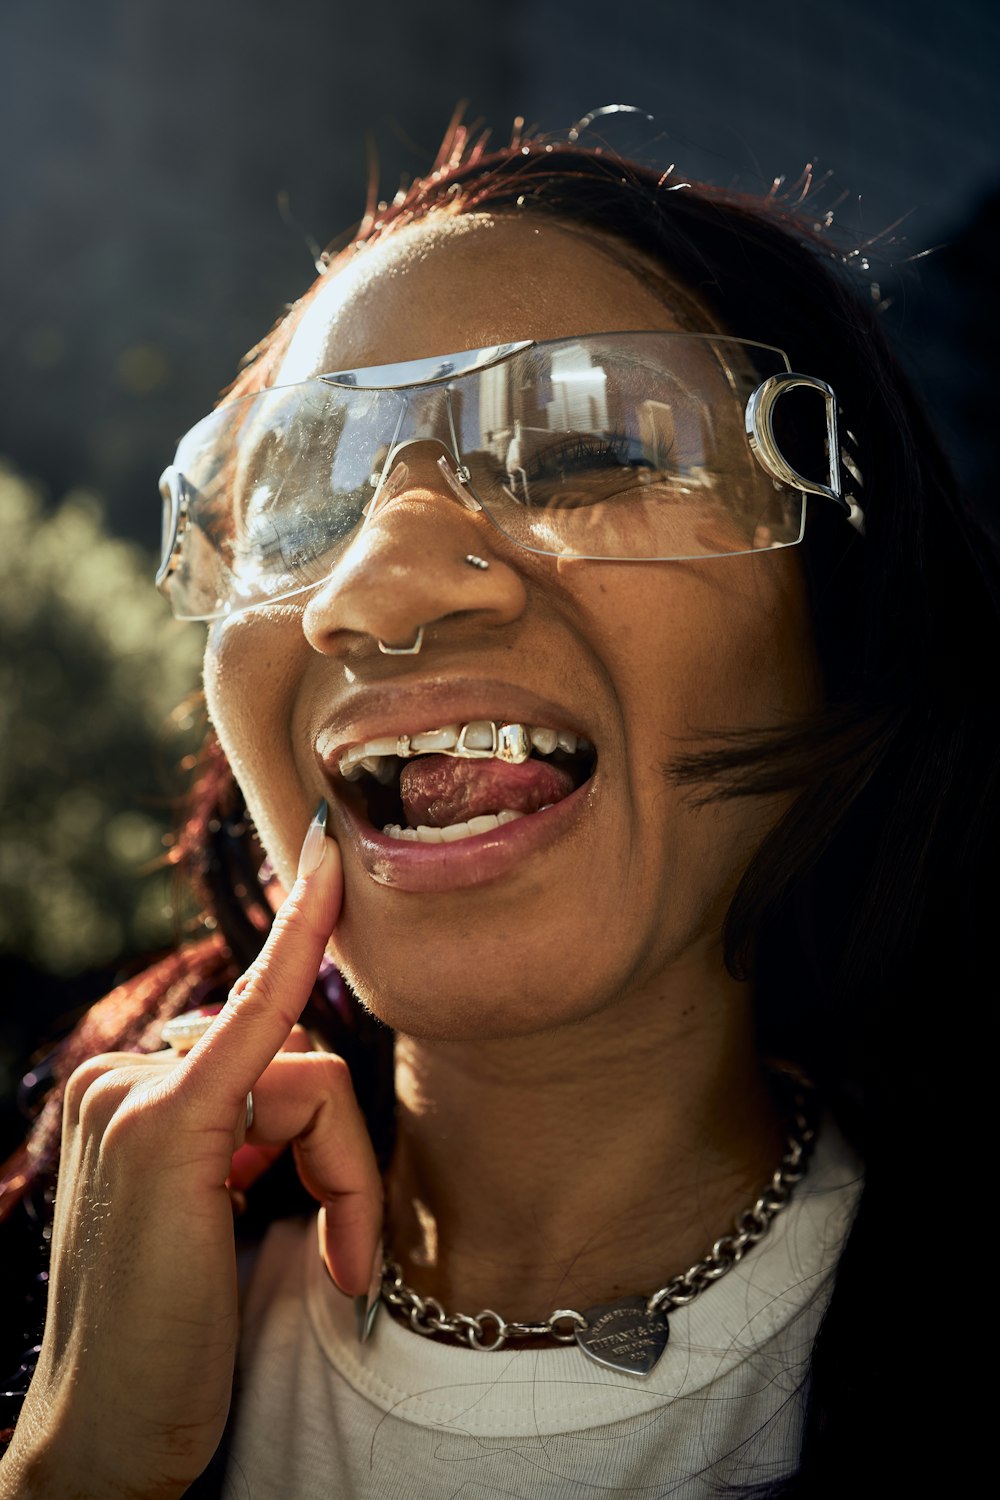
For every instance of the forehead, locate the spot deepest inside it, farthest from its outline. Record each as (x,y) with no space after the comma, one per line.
(468,280)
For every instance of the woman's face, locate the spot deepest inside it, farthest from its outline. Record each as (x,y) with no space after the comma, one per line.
(603,897)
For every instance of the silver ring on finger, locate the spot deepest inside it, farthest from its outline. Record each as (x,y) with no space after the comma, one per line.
(181,1033)
(249,1123)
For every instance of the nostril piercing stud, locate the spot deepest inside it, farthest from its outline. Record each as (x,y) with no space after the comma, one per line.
(476,562)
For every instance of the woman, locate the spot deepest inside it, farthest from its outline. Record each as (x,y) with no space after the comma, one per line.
(732,788)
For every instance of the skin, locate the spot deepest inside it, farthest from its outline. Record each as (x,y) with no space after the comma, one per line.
(579,1123)
(726,636)
(638,956)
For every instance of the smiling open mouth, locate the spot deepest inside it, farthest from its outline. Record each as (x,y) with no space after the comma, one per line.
(443,785)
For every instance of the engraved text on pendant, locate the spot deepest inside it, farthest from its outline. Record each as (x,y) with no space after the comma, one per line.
(623,1336)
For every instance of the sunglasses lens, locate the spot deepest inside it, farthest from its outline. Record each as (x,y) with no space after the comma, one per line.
(617,446)
(627,446)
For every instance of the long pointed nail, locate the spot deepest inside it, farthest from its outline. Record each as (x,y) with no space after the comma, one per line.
(366,1306)
(314,844)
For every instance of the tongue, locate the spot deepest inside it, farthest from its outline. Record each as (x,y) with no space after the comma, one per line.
(441,789)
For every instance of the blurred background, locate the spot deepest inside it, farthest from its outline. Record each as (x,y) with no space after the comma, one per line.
(169,173)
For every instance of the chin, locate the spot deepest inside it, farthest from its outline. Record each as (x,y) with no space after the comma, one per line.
(469,1000)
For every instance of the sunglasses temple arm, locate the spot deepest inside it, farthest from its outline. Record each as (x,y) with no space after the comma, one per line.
(764,444)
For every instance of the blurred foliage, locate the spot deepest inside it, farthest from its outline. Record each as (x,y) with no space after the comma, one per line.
(92,670)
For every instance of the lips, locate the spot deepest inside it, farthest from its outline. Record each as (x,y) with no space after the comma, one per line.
(421,788)
(412,709)
(499,854)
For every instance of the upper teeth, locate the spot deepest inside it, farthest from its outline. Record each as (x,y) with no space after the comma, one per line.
(481,739)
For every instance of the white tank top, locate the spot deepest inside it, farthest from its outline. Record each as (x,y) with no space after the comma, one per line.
(319,1417)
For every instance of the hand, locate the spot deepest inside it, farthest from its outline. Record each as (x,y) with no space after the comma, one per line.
(133,1383)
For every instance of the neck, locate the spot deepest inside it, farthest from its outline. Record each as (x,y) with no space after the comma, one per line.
(575,1166)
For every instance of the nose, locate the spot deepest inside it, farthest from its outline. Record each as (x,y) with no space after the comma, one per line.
(407,568)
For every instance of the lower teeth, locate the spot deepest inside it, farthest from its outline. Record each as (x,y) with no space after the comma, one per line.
(454,831)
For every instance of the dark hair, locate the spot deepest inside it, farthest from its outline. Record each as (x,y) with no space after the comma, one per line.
(889,840)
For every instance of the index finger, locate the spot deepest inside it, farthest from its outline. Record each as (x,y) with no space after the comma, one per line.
(268,999)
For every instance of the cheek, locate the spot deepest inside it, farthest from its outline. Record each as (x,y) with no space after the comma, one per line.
(251,680)
(730,651)
(245,689)
(735,646)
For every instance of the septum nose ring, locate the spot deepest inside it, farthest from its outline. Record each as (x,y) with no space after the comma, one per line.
(418,640)
(412,650)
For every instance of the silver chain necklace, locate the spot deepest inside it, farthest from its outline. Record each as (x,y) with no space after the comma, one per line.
(630,1334)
